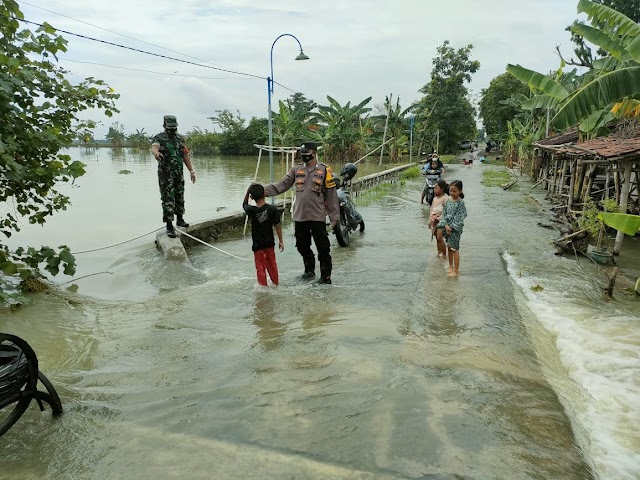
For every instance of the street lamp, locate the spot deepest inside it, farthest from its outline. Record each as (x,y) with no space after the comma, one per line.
(300,56)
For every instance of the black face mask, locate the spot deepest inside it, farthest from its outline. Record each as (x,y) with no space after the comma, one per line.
(307,157)
(171,131)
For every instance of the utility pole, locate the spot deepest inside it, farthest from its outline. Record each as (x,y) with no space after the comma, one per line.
(386,124)
(438,141)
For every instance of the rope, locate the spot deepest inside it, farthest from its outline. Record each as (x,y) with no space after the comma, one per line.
(209,245)
(116,244)
(85,276)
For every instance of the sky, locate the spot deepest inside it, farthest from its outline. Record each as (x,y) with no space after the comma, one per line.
(357,49)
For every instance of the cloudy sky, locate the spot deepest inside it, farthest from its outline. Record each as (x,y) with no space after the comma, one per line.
(357,49)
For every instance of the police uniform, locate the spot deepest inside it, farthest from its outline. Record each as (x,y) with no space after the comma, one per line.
(170,171)
(316,196)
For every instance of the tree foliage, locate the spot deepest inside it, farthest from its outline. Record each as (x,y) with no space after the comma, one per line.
(116,134)
(445,106)
(235,138)
(583,54)
(39,114)
(496,109)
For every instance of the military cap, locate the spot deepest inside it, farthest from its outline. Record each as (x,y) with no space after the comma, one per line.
(309,146)
(170,121)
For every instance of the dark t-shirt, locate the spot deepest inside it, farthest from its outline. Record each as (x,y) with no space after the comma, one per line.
(262,221)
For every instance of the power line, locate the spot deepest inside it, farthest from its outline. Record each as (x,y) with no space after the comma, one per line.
(138,50)
(121,34)
(151,53)
(151,71)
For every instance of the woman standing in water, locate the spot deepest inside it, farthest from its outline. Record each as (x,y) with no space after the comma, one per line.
(451,224)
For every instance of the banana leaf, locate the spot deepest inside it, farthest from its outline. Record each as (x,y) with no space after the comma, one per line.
(537,80)
(609,20)
(606,89)
(596,36)
(628,224)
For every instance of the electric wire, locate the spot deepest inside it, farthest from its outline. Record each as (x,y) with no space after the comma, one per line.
(151,71)
(86,37)
(167,57)
(121,34)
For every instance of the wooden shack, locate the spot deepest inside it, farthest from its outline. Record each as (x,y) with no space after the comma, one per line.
(603,168)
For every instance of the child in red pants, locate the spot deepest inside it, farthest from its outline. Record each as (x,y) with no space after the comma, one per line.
(263,218)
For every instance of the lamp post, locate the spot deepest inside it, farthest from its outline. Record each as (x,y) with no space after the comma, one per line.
(413,117)
(300,56)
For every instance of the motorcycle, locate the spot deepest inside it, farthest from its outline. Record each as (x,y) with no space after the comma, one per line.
(432,178)
(350,218)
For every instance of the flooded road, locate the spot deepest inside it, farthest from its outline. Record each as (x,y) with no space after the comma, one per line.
(394,371)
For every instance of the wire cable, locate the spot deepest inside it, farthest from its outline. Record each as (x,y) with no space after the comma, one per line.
(181,232)
(139,50)
(116,244)
(235,72)
(151,71)
(121,34)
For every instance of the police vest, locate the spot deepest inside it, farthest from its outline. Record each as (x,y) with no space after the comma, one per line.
(322,178)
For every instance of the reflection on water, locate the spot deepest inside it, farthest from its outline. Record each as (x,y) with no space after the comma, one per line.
(395,371)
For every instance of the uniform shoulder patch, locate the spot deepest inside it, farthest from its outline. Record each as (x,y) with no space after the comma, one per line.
(329,181)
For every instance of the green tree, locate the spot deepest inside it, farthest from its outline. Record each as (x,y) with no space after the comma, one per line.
(292,121)
(342,129)
(140,139)
(202,142)
(232,126)
(116,135)
(39,109)
(445,107)
(496,107)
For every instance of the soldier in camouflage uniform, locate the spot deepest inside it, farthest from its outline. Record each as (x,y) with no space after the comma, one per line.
(170,150)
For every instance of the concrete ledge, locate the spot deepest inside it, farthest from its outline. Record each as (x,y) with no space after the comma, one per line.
(172,248)
(175,249)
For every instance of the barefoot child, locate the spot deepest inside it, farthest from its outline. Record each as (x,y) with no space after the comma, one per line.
(435,214)
(451,224)
(263,218)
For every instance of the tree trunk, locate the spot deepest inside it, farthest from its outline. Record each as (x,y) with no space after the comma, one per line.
(624,198)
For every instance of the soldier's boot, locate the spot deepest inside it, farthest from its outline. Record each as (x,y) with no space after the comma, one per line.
(309,268)
(171,232)
(181,222)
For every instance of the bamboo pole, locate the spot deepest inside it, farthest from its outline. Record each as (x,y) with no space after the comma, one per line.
(624,199)
(606,182)
(573,167)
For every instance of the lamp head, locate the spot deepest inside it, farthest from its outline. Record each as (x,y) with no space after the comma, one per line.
(302,56)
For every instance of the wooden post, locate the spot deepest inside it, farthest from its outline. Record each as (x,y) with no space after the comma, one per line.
(572,181)
(587,192)
(580,175)
(612,282)
(624,198)
(606,182)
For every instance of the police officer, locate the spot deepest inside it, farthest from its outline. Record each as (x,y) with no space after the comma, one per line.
(315,196)
(170,150)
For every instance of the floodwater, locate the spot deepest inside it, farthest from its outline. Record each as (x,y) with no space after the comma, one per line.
(394,372)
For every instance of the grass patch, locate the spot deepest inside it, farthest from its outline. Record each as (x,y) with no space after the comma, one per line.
(125,172)
(411,172)
(448,159)
(372,195)
(495,178)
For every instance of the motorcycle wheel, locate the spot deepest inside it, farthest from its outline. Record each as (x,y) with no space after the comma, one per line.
(342,234)
(430,194)
(362,225)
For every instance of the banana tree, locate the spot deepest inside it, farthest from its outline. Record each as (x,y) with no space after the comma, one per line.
(615,79)
(343,130)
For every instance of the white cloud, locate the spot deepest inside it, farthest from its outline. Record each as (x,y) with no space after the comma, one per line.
(357,48)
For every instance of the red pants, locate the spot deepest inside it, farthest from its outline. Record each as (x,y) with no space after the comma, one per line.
(266,262)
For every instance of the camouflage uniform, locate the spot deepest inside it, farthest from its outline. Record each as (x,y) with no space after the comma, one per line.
(170,176)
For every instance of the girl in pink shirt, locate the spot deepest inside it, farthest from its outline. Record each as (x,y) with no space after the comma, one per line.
(435,214)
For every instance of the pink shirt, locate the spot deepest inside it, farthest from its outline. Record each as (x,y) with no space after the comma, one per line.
(437,205)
